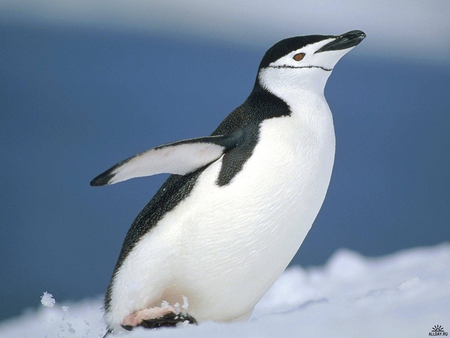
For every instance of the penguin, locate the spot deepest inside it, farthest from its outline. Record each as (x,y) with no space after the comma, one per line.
(239,203)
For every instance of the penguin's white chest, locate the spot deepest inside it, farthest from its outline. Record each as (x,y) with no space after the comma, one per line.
(222,247)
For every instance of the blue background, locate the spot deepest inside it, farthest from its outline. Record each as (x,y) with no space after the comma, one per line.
(73,102)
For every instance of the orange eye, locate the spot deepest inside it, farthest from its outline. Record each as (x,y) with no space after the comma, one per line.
(299,56)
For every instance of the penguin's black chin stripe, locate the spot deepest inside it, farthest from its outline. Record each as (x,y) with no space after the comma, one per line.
(286,66)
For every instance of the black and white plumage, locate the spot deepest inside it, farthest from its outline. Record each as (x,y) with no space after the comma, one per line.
(223,228)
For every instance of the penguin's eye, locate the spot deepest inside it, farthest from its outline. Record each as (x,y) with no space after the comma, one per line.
(299,56)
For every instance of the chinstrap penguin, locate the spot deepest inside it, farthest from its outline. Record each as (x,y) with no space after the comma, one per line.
(240,202)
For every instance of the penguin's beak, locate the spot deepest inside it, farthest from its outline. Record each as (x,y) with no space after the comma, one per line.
(344,41)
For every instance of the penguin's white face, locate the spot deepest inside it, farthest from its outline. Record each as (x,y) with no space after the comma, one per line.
(307,58)
(309,65)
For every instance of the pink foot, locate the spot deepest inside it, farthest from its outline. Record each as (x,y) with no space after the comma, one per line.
(134,319)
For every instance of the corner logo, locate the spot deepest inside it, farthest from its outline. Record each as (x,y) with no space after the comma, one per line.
(438,330)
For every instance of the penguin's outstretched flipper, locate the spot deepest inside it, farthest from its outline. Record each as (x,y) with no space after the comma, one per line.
(180,157)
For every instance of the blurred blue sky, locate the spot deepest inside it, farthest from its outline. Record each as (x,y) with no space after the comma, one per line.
(85,84)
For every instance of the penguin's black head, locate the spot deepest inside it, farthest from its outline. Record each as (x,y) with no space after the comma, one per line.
(323,42)
(305,59)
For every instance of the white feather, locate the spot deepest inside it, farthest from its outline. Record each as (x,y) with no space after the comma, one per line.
(222,247)
(227,245)
(172,159)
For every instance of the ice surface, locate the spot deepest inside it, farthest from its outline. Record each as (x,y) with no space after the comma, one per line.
(401,295)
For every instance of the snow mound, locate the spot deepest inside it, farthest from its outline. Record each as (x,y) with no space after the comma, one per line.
(402,295)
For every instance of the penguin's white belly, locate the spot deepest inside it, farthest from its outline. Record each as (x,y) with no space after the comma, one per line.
(222,247)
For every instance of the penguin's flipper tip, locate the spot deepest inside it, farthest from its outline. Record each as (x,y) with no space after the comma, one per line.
(102,179)
(181,157)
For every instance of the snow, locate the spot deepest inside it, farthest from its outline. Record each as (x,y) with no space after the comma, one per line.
(185,303)
(401,295)
(47,300)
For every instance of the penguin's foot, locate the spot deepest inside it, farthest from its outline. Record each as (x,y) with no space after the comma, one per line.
(157,317)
